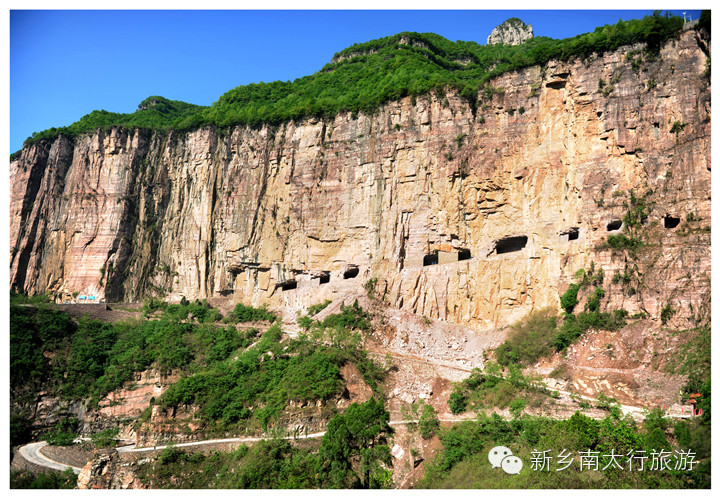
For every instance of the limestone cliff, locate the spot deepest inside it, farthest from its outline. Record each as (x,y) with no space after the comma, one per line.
(509,199)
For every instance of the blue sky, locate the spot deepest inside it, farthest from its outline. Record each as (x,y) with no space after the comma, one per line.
(65,64)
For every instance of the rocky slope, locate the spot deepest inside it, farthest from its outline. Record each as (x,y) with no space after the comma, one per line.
(509,200)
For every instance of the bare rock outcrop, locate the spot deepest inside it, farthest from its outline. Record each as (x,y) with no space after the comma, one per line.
(511,32)
(109,470)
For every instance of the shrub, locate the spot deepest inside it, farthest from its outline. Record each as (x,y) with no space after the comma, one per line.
(457,401)
(593,303)
(655,418)
(489,388)
(620,314)
(655,440)
(370,287)
(621,241)
(151,304)
(677,127)
(317,308)
(682,434)
(20,429)
(305,322)
(171,454)
(355,446)
(666,313)
(63,433)
(569,299)
(517,406)
(637,213)
(350,317)
(244,313)
(583,430)
(105,438)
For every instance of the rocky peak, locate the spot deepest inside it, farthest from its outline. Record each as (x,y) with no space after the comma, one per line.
(511,32)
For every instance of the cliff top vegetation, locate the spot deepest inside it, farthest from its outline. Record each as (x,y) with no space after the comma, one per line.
(366,75)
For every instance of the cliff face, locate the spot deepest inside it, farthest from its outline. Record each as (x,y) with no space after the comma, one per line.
(510,200)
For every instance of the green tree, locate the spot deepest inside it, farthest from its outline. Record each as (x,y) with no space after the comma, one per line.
(428,423)
(354,450)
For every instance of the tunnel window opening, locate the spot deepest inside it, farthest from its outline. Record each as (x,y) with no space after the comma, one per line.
(430,259)
(510,244)
(351,273)
(324,278)
(671,221)
(464,254)
(614,225)
(574,234)
(288,285)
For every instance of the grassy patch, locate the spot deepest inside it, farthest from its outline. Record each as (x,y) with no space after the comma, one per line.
(243,313)
(528,340)
(496,387)
(16,298)
(574,326)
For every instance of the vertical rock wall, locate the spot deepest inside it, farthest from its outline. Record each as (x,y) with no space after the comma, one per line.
(261,215)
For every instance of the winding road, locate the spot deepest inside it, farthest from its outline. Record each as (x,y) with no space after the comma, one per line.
(33,453)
